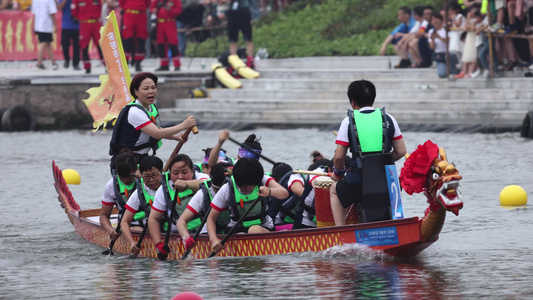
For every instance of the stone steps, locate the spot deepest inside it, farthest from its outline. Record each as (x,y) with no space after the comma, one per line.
(401,82)
(416,92)
(307,117)
(312,92)
(329,104)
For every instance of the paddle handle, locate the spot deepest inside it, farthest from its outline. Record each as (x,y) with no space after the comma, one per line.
(252,150)
(170,221)
(179,145)
(143,233)
(112,243)
(239,222)
(311,173)
(197,233)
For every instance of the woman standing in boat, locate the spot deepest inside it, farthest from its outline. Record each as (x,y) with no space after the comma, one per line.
(118,190)
(140,203)
(137,127)
(181,179)
(248,183)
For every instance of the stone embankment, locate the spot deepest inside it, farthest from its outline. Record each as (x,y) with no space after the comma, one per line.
(290,93)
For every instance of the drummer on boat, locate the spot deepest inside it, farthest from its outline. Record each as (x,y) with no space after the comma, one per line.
(137,127)
(375,140)
(140,202)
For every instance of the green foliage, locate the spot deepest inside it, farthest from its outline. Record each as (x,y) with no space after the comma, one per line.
(323,28)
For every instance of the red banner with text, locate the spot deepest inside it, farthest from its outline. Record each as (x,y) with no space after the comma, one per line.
(19,42)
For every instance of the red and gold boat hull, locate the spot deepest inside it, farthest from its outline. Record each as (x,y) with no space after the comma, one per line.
(399,238)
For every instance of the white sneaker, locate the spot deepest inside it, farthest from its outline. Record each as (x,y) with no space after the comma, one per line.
(486,74)
(476,73)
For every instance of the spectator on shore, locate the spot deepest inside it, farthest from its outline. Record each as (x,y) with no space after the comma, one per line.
(6,4)
(239,19)
(70,35)
(423,43)
(410,41)
(22,4)
(134,30)
(457,19)
(437,42)
(88,14)
(470,50)
(44,22)
(483,54)
(167,37)
(406,23)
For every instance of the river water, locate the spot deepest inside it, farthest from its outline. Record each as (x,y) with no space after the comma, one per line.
(486,251)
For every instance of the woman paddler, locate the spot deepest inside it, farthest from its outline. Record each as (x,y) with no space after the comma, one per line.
(250,142)
(118,190)
(137,127)
(140,202)
(200,204)
(181,179)
(248,183)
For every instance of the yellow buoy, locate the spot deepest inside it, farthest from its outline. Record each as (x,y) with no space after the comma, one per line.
(71,176)
(513,195)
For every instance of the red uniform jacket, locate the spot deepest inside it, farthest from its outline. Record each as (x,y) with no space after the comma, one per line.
(164,12)
(134,4)
(86,9)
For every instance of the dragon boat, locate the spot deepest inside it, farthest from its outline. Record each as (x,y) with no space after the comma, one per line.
(425,170)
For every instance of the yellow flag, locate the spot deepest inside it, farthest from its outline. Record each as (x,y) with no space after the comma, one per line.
(106,101)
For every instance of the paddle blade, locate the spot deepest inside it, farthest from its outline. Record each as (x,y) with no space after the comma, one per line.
(108,252)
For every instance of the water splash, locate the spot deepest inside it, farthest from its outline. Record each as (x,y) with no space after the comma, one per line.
(354,252)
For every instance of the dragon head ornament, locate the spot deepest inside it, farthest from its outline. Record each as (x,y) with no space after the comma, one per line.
(428,170)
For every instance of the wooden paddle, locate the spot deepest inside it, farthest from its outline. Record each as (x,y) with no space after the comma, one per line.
(109,250)
(169,229)
(253,151)
(239,222)
(143,233)
(195,237)
(311,173)
(179,145)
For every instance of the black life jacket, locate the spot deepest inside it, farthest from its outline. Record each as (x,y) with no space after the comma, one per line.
(290,209)
(125,135)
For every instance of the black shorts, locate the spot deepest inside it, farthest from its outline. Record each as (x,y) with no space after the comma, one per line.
(349,193)
(239,20)
(44,37)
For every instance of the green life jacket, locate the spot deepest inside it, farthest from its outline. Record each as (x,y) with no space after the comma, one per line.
(145,200)
(184,198)
(239,203)
(122,191)
(370,139)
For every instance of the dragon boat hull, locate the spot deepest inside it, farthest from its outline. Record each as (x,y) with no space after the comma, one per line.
(398,238)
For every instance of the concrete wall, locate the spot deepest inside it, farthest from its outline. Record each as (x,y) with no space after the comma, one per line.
(56,103)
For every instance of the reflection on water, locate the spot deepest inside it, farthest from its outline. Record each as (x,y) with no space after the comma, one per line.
(484,252)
